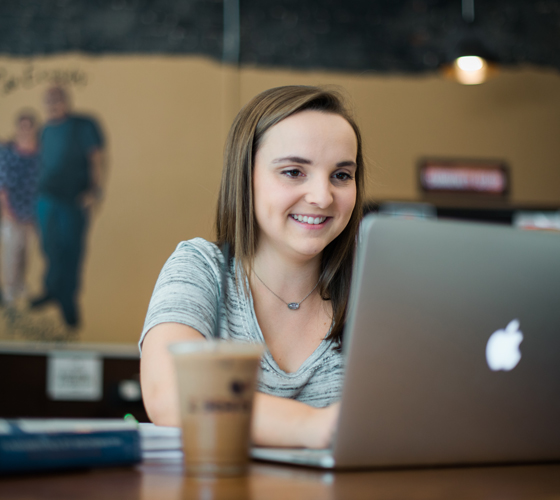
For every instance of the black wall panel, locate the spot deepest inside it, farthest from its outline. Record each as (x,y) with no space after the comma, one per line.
(356,35)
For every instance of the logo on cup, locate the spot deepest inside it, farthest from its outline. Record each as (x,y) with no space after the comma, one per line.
(238,403)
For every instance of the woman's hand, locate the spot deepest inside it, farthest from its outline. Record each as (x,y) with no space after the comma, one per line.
(7,212)
(323,425)
(289,423)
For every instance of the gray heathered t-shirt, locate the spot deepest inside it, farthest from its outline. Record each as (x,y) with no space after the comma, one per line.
(187,291)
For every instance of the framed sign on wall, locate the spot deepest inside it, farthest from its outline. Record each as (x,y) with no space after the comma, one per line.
(464,177)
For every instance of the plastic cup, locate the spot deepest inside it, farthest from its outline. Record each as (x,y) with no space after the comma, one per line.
(216,384)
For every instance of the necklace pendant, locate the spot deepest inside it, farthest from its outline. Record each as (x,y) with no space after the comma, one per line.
(294,306)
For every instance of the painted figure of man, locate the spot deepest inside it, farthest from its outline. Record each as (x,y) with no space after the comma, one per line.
(70,186)
(19,170)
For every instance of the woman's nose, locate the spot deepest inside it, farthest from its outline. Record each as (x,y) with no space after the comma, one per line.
(319,193)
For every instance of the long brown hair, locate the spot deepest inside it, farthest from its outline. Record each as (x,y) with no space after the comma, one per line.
(236,224)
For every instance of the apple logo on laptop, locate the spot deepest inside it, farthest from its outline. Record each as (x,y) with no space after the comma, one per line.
(502,349)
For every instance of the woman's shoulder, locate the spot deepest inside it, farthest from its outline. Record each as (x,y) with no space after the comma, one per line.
(198,246)
(198,252)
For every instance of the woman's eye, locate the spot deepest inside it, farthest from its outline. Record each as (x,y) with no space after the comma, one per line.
(342,176)
(292,173)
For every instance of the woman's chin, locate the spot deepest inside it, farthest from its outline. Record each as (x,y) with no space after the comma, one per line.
(309,251)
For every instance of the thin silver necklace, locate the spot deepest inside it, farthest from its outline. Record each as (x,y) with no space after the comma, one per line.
(294,306)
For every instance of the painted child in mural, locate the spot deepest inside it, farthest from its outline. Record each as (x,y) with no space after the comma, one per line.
(70,186)
(19,171)
(289,209)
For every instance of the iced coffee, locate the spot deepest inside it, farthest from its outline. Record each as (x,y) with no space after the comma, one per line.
(216,384)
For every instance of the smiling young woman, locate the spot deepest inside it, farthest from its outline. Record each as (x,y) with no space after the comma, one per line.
(289,209)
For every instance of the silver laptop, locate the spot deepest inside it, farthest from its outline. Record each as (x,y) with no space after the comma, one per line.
(452,349)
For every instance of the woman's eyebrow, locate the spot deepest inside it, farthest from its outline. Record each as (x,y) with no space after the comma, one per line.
(347,164)
(304,161)
(292,159)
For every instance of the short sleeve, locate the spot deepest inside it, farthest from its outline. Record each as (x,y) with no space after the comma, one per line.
(188,289)
(91,135)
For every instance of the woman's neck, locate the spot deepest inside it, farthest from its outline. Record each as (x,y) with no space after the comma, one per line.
(286,277)
(26,145)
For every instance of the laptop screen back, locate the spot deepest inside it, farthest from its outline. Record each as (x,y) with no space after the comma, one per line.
(425,384)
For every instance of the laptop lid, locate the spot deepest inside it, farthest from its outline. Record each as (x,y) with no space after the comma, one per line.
(424,383)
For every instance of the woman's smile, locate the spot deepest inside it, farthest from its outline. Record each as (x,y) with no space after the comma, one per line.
(312,222)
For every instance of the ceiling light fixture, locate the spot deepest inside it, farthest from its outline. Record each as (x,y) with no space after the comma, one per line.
(472,65)
(470,70)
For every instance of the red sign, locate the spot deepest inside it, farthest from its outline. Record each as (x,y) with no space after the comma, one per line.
(464,177)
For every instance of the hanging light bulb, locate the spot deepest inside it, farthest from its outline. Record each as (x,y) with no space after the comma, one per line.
(470,67)
(470,70)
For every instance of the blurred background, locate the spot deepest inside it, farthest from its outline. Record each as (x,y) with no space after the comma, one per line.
(164,79)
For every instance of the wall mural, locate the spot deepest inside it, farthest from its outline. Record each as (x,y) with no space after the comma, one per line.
(51,180)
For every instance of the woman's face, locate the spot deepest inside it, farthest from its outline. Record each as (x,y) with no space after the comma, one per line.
(304,183)
(25,125)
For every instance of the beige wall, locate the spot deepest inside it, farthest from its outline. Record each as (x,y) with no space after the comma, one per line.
(165,119)
(515,117)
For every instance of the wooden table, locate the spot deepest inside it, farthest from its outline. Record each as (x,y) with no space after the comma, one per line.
(164,480)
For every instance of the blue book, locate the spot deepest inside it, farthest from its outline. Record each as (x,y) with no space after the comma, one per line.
(29,445)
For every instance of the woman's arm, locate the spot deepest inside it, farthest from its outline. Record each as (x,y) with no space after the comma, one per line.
(286,422)
(276,421)
(5,206)
(157,373)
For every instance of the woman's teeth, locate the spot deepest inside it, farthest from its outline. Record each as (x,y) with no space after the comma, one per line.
(309,220)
